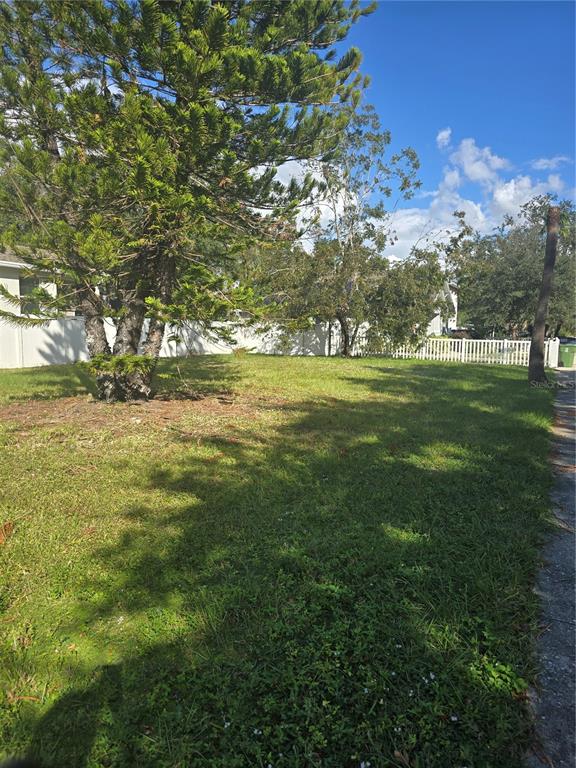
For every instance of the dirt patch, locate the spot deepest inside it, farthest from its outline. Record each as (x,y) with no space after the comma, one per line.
(92,415)
(6,530)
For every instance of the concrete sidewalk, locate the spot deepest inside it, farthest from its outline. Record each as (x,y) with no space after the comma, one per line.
(554,699)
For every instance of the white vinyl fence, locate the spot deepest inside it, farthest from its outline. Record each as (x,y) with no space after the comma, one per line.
(494,351)
(63,341)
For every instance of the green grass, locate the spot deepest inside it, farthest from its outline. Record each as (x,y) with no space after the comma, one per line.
(43,383)
(332,567)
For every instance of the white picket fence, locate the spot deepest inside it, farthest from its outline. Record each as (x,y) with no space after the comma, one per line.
(493,351)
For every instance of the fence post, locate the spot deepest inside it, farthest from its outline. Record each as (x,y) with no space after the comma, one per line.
(552,352)
(462,350)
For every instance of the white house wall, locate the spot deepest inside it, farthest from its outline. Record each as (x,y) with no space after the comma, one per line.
(435,326)
(10,343)
(10,279)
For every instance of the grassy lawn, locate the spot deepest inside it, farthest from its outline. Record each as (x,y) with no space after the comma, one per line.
(320,563)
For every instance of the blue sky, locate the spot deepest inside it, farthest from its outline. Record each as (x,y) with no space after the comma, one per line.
(484,91)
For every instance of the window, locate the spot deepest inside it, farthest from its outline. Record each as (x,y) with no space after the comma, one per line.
(29,304)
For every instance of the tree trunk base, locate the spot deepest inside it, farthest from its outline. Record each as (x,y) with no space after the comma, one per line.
(123,388)
(537,376)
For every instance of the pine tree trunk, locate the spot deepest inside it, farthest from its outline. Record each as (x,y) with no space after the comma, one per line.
(154,338)
(151,348)
(129,329)
(536,373)
(130,379)
(124,387)
(155,335)
(137,384)
(96,341)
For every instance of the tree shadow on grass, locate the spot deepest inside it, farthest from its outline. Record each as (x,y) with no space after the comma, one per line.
(46,383)
(351,586)
(204,376)
(207,375)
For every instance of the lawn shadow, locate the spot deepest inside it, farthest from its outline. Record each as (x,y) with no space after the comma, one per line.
(46,382)
(351,586)
(213,374)
(174,379)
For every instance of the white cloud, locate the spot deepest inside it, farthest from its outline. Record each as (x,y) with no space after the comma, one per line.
(448,201)
(451,179)
(478,164)
(292,169)
(410,226)
(498,193)
(555,183)
(419,226)
(549,163)
(297,169)
(443,138)
(509,195)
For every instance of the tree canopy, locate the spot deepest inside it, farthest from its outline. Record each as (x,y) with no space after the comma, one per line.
(139,145)
(338,272)
(498,275)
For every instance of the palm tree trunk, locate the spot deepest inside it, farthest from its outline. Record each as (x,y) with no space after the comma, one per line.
(536,373)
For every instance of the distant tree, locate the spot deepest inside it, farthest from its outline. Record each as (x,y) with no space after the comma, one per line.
(407,297)
(498,276)
(341,278)
(350,223)
(139,143)
(393,301)
(314,286)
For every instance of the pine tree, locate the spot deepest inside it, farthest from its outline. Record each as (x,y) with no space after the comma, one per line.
(139,145)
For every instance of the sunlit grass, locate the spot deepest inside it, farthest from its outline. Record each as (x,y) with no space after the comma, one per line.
(330,565)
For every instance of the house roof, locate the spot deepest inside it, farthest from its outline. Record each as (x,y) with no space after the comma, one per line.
(10,256)
(10,259)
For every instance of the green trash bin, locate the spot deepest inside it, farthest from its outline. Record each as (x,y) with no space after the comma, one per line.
(567,355)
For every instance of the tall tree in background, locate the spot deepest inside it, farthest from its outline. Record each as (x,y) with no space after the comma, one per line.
(406,299)
(536,371)
(498,276)
(138,150)
(392,304)
(336,272)
(350,223)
